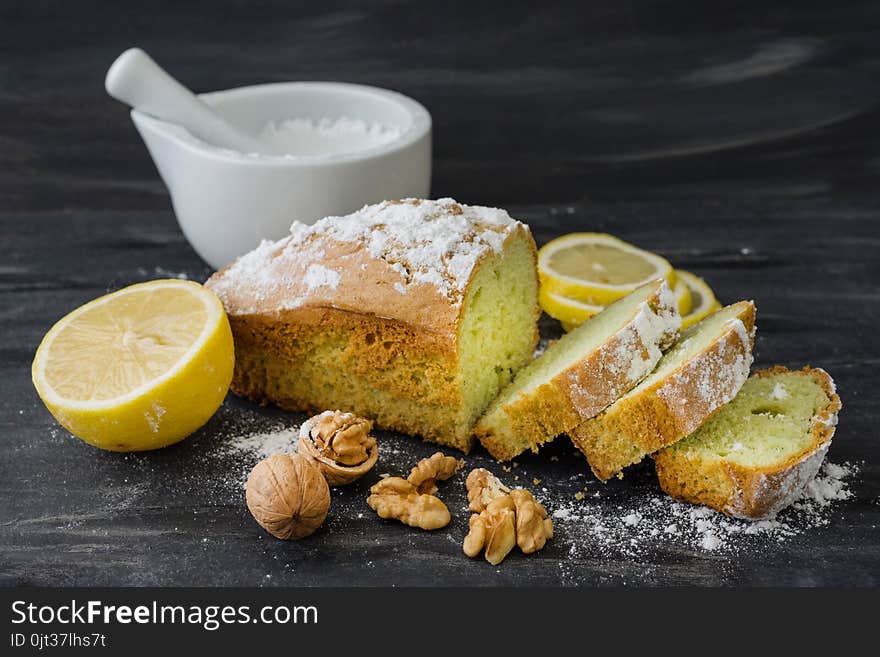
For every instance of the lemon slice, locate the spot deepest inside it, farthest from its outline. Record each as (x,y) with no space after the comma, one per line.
(703,301)
(598,269)
(138,369)
(569,312)
(683,296)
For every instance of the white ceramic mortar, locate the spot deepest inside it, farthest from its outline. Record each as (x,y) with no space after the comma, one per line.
(227,202)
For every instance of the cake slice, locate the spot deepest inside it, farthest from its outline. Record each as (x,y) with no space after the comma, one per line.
(582,373)
(701,373)
(756,455)
(411,313)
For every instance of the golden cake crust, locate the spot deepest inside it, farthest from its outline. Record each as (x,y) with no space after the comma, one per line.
(672,408)
(752,493)
(423,306)
(588,385)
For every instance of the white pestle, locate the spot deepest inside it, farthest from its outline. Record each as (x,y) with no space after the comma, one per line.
(138,81)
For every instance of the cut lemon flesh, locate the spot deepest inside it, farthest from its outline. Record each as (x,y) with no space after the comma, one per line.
(703,301)
(137,369)
(598,269)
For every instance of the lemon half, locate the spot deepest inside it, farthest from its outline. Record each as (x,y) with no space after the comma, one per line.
(137,369)
(598,269)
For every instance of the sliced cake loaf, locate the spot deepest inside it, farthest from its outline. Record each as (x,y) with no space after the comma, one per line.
(701,373)
(411,313)
(582,373)
(756,455)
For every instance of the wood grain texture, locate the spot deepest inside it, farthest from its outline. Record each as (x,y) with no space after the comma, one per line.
(742,144)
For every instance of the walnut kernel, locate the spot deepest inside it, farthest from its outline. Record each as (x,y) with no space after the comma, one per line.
(482,488)
(340,445)
(503,518)
(395,497)
(493,529)
(533,527)
(437,467)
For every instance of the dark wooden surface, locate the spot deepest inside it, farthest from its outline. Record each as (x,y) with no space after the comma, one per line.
(740,143)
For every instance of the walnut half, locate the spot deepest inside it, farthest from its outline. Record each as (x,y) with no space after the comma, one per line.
(503,518)
(493,529)
(412,500)
(533,527)
(482,488)
(340,445)
(437,467)
(395,497)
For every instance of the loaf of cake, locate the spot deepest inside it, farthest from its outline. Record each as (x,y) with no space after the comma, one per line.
(758,453)
(582,373)
(411,313)
(702,372)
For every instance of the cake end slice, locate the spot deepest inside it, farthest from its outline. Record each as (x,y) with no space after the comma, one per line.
(758,453)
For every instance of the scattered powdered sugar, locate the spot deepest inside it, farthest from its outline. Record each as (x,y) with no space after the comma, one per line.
(161,272)
(282,440)
(667,309)
(640,346)
(154,419)
(651,522)
(829,486)
(710,541)
(253,275)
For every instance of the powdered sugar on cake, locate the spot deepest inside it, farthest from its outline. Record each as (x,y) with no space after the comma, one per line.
(667,309)
(779,392)
(319,276)
(713,377)
(438,243)
(631,354)
(653,330)
(785,490)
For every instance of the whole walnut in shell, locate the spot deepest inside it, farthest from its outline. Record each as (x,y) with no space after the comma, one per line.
(288,496)
(340,445)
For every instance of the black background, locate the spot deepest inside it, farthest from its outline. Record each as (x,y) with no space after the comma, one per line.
(739,140)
